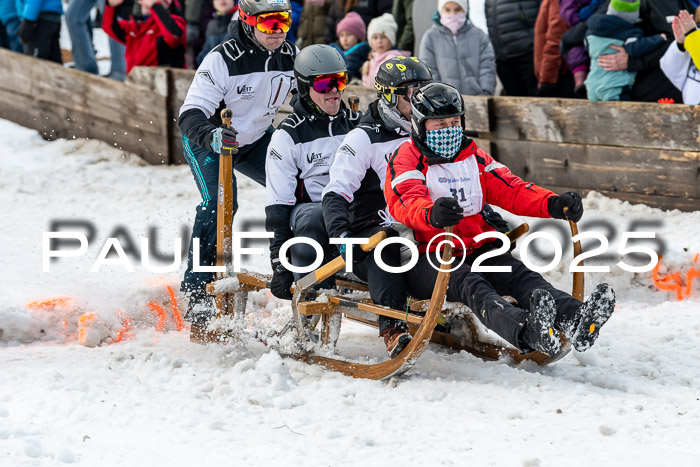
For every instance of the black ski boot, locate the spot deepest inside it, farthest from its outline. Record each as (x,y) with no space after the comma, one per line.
(539,333)
(595,312)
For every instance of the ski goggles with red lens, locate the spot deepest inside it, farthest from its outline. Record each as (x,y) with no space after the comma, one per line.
(269,23)
(326,83)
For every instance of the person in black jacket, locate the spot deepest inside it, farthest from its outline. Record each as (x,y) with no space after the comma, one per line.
(651,84)
(353,200)
(511,25)
(299,157)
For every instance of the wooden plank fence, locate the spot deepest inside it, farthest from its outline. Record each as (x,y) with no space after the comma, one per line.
(639,152)
(64,103)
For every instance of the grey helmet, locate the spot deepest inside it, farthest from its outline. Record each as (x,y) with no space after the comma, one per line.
(312,61)
(256,7)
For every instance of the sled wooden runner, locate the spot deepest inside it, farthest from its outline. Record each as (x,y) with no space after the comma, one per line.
(408,356)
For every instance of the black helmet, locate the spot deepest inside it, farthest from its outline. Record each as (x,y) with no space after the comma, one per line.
(396,75)
(252,8)
(255,7)
(434,100)
(312,61)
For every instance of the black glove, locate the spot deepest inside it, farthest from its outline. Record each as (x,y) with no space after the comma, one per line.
(282,280)
(192,34)
(445,212)
(547,90)
(570,200)
(27,30)
(223,141)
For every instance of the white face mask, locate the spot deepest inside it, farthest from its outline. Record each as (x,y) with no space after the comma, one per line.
(453,22)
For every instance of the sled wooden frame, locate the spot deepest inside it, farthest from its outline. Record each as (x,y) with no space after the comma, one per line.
(421,327)
(382,370)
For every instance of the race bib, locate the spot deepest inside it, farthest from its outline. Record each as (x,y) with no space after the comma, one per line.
(458,180)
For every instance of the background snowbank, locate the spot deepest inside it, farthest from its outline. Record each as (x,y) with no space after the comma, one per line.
(154,398)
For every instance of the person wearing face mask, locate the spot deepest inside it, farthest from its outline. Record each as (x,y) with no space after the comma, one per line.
(353,200)
(298,162)
(440,178)
(458,52)
(252,73)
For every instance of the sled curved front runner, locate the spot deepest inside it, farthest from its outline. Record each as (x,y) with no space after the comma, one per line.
(408,356)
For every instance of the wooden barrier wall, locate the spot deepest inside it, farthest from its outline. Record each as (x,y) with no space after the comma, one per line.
(64,103)
(639,152)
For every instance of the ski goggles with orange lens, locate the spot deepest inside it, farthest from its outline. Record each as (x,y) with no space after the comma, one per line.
(326,83)
(269,23)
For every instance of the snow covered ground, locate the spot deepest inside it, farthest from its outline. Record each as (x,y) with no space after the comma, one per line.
(156,399)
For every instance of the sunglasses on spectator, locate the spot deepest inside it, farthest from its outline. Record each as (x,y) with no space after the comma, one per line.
(269,23)
(327,83)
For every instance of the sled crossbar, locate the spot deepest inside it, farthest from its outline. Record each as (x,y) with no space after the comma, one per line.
(249,283)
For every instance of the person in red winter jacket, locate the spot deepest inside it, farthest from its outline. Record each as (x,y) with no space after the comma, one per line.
(440,178)
(156,39)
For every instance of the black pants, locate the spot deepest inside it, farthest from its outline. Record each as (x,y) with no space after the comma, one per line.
(307,221)
(651,85)
(385,288)
(517,75)
(45,43)
(481,291)
(204,164)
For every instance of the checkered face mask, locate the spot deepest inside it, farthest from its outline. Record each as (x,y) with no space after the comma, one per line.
(444,142)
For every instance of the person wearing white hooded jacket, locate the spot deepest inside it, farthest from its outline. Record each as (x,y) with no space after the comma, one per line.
(457,52)
(678,65)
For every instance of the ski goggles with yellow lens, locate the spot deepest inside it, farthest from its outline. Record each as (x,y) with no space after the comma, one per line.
(269,23)
(326,83)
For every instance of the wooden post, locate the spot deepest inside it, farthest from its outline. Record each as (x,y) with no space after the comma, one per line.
(224,216)
(578,285)
(354,102)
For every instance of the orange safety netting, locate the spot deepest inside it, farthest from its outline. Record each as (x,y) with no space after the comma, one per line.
(159,310)
(673,282)
(83,325)
(50,303)
(85,320)
(122,333)
(179,324)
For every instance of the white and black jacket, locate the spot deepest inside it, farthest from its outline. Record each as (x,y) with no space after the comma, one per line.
(355,193)
(239,75)
(297,166)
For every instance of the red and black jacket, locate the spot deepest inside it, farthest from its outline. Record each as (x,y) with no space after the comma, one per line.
(159,39)
(411,176)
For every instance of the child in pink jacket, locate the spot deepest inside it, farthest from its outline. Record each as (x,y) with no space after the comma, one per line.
(381,33)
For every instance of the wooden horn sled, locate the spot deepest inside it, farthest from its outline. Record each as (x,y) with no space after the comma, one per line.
(428,320)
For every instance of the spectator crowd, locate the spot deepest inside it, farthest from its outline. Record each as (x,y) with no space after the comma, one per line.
(602,50)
